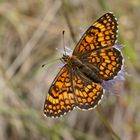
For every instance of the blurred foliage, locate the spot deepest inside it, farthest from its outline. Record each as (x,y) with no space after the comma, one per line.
(30,35)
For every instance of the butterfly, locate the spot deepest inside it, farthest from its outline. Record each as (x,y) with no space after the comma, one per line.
(93,61)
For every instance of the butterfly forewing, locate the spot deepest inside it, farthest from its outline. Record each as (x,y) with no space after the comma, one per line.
(60,98)
(101,34)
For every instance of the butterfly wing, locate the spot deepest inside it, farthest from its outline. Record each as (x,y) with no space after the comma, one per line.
(101,34)
(96,50)
(108,62)
(87,93)
(60,98)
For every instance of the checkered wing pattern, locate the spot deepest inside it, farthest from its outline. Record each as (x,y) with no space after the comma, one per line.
(71,88)
(101,34)
(60,98)
(87,93)
(105,62)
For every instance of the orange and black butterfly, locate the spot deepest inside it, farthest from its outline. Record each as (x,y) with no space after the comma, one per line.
(93,61)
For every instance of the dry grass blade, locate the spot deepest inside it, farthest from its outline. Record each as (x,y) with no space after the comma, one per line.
(24,54)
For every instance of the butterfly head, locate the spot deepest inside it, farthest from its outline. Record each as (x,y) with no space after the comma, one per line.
(65,58)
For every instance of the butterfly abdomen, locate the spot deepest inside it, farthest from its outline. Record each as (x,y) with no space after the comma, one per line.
(85,70)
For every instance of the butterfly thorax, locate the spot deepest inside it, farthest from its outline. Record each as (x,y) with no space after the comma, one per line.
(81,68)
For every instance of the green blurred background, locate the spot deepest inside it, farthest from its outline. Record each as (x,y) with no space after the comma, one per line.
(31,35)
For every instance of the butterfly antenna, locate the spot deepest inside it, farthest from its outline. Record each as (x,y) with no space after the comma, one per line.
(64,45)
(50,62)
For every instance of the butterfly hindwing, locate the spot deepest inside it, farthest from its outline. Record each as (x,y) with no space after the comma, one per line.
(87,93)
(60,98)
(101,34)
(108,62)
